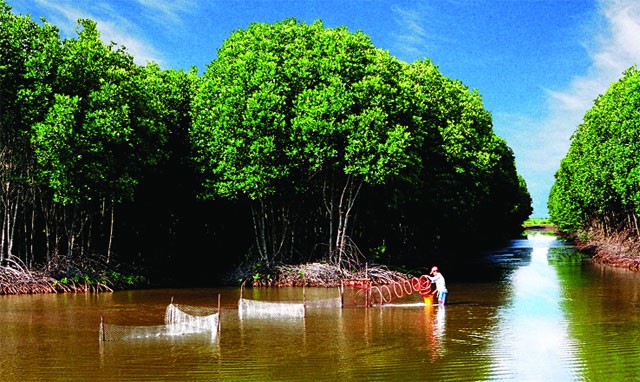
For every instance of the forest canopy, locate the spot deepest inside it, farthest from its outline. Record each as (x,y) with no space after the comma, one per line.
(297,143)
(311,123)
(597,187)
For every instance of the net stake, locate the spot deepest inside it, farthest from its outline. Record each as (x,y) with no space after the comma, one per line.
(102,328)
(219,313)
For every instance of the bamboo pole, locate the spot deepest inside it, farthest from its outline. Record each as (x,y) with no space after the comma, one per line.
(102,329)
(219,313)
(368,285)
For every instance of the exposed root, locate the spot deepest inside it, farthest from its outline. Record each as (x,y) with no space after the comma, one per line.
(88,274)
(618,249)
(348,263)
(15,278)
(327,275)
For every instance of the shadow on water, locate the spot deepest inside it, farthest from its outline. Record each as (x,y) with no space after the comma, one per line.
(494,265)
(536,310)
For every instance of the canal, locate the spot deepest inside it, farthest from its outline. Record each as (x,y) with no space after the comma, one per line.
(536,310)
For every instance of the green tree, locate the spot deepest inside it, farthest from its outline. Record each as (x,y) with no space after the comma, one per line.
(598,186)
(105,125)
(462,180)
(290,112)
(289,107)
(29,54)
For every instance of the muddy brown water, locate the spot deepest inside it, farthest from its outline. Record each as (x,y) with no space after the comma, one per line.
(536,310)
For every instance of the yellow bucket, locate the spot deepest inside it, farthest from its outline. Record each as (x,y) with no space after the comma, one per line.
(428,300)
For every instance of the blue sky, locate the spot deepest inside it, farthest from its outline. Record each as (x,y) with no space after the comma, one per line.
(538,64)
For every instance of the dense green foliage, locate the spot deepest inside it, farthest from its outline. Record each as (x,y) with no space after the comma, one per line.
(104,124)
(463,182)
(312,136)
(82,127)
(598,183)
(304,120)
(297,110)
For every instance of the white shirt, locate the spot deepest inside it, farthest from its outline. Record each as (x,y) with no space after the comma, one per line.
(439,280)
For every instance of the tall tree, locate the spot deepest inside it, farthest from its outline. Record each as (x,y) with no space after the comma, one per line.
(597,186)
(462,181)
(105,125)
(29,53)
(290,107)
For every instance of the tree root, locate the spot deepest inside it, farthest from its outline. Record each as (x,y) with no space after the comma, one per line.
(618,249)
(327,275)
(16,278)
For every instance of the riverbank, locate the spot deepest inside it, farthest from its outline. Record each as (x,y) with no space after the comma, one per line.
(542,228)
(319,275)
(16,278)
(58,276)
(539,225)
(620,250)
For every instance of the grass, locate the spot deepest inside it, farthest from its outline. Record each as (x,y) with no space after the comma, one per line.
(537,221)
(542,226)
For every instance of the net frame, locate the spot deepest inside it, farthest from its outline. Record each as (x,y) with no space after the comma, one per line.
(266,309)
(179,320)
(373,295)
(248,308)
(335,302)
(187,319)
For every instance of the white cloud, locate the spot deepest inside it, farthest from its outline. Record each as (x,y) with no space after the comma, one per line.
(113,26)
(411,37)
(412,21)
(142,51)
(614,49)
(169,11)
(620,46)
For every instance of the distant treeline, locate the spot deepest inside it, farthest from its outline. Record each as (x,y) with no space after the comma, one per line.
(597,187)
(298,143)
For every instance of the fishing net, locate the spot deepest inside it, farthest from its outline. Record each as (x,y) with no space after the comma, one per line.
(383,294)
(191,319)
(324,303)
(179,320)
(265,309)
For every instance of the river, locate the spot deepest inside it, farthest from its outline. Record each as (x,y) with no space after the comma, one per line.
(536,310)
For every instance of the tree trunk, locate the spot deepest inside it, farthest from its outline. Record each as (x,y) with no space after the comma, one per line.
(12,228)
(341,210)
(329,206)
(258,229)
(272,230)
(3,234)
(112,223)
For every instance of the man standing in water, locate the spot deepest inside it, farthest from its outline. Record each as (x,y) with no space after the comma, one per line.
(437,278)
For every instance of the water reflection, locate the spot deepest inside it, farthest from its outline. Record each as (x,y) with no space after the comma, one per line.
(534,311)
(532,339)
(437,334)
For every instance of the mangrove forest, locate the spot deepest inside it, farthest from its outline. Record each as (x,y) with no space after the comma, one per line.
(297,144)
(596,194)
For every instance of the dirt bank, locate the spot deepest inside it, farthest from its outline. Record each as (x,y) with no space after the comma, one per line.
(324,275)
(540,228)
(620,250)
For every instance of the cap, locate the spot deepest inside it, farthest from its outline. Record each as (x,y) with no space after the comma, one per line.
(434,269)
